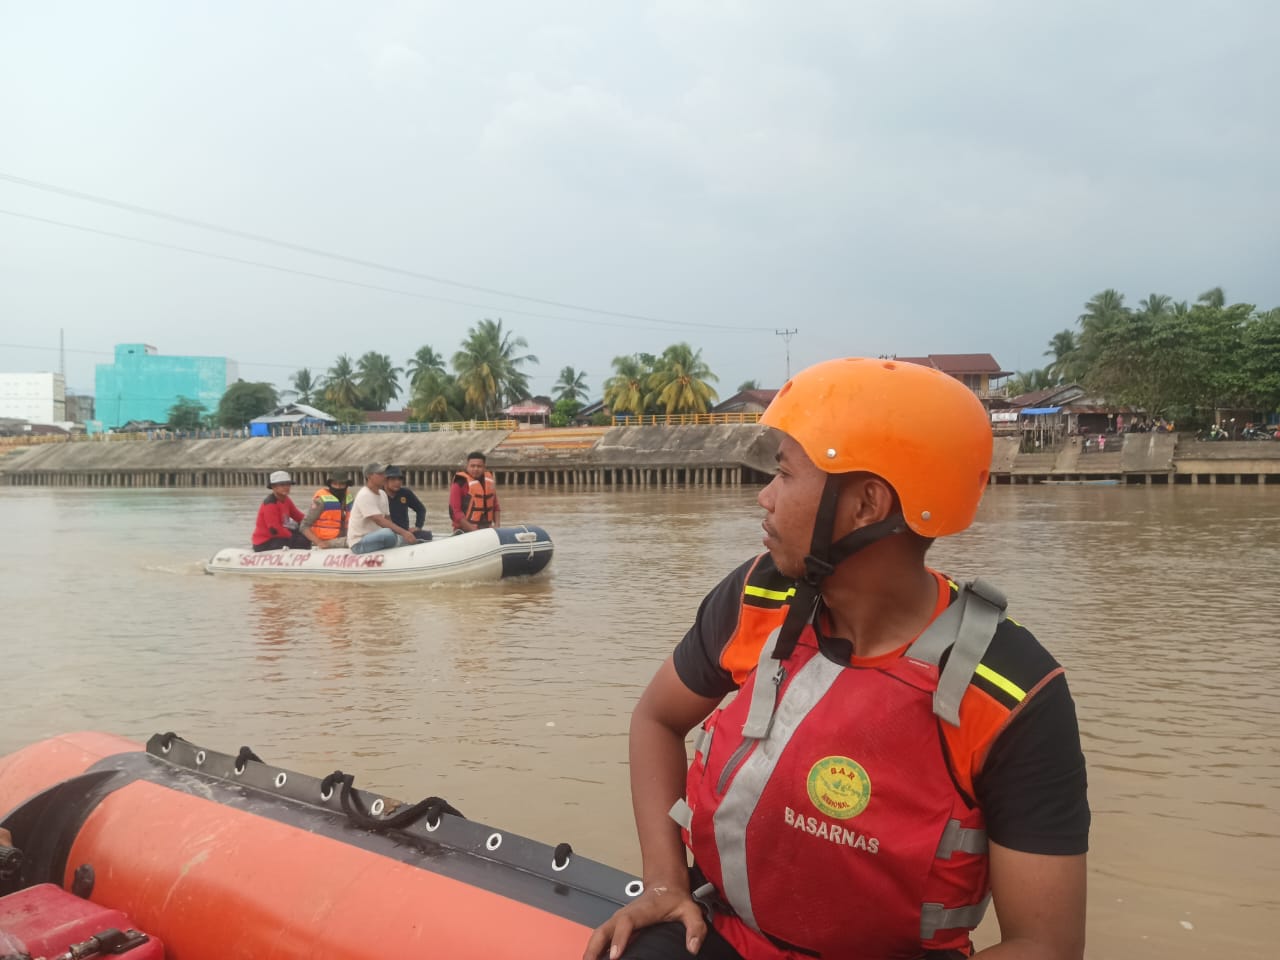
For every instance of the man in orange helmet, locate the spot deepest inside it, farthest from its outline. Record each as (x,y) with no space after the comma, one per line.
(899,751)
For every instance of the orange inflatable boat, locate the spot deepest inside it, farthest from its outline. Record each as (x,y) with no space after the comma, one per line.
(220,856)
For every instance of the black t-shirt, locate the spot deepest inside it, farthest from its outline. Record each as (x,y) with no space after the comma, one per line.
(1032,788)
(400,503)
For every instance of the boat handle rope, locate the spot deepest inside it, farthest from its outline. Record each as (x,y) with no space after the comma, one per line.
(431,808)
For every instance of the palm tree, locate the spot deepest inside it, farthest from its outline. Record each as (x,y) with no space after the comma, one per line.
(1214,297)
(572,385)
(305,385)
(422,363)
(624,392)
(436,397)
(488,368)
(340,388)
(1156,305)
(378,380)
(746,385)
(1102,311)
(1029,381)
(681,383)
(1063,349)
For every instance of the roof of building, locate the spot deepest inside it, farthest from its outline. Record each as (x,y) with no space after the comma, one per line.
(387,416)
(959,363)
(295,413)
(745,398)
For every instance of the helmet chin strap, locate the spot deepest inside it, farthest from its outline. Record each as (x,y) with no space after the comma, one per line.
(823,558)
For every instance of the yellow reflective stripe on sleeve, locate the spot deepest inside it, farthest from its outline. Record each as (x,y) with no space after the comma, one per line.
(1008,686)
(764,594)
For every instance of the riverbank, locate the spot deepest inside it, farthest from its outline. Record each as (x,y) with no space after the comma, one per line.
(636,456)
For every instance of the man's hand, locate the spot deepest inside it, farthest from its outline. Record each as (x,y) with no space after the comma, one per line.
(656,905)
(5,839)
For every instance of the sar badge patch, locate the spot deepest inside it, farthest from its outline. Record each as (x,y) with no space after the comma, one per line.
(839,787)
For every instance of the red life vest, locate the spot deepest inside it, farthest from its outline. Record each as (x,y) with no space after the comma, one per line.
(840,773)
(480,502)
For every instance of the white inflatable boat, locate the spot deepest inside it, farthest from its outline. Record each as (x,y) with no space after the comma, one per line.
(481,555)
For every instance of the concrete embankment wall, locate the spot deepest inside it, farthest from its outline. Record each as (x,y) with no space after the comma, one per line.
(714,455)
(717,455)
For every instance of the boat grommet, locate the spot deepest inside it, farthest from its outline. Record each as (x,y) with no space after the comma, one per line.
(166,747)
(377,807)
(634,888)
(199,758)
(326,793)
(238,768)
(494,841)
(432,825)
(281,777)
(561,856)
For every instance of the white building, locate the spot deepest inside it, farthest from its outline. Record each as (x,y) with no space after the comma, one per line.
(35,397)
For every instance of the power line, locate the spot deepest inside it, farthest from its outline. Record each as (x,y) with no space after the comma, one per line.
(357,283)
(314,251)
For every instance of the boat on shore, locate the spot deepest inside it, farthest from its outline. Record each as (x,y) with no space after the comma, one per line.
(217,855)
(481,555)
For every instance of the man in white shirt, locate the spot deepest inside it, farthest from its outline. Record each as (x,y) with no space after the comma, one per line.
(369,527)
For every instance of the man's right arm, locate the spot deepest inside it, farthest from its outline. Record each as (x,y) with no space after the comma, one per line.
(317,507)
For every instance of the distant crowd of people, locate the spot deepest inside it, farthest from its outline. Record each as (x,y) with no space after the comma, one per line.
(376,516)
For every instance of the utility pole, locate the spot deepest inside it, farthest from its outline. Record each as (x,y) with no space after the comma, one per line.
(62,356)
(786,335)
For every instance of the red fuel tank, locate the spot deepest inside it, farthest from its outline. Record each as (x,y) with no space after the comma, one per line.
(45,920)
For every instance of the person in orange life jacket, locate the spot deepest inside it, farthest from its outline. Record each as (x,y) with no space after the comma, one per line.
(920,749)
(325,524)
(473,497)
(278,518)
(401,500)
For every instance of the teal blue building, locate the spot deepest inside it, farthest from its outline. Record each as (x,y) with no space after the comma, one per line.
(143,385)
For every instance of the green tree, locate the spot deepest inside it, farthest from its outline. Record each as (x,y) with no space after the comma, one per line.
(306,386)
(1156,305)
(1213,297)
(746,385)
(563,412)
(488,368)
(1260,356)
(243,401)
(1066,358)
(1028,381)
(341,392)
(186,414)
(625,392)
(572,385)
(436,398)
(423,363)
(378,380)
(681,381)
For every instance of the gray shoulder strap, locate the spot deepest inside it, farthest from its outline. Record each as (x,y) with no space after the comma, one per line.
(965,628)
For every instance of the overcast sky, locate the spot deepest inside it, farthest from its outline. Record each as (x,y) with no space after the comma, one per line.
(887,177)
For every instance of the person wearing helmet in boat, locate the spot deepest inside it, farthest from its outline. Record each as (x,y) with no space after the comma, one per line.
(473,497)
(899,750)
(278,518)
(325,524)
(402,500)
(370,527)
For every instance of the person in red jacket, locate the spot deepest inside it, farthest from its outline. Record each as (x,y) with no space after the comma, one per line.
(278,518)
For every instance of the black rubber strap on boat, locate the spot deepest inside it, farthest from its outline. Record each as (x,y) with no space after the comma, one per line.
(244,756)
(430,809)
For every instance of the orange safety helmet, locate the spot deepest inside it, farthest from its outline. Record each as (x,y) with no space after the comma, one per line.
(922,431)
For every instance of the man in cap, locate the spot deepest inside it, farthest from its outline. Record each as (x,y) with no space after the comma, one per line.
(325,524)
(370,528)
(899,751)
(278,518)
(403,501)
